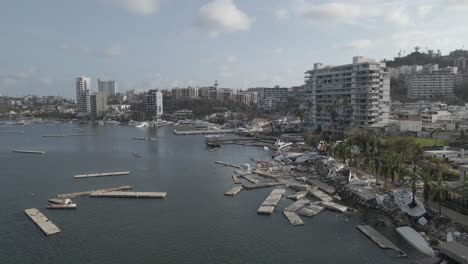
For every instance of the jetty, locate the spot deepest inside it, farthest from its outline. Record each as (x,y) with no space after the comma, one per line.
(203,132)
(42,221)
(378,238)
(118,173)
(268,206)
(120,194)
(234,190)
(140,138)
(29,151)
(293,218)
(227,164)
(77,194)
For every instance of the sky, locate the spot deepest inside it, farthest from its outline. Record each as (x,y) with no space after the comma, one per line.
(147,44)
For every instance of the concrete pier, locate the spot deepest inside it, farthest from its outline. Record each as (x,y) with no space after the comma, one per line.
(234,190)
(118,173)
(119,194)
(77,194)
(297,196)
(320,195)
(29,151)
(203,132)
(378,238)
(268,206)
(42,221)
(293,218)
(227,164)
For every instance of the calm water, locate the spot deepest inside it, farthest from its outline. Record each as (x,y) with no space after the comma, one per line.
(195,223)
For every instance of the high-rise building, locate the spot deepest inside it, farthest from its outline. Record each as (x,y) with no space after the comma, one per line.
(153,104)
(83,87)
(462,64)
(431,82)
(226,94)
(356,94)
(98,104)
(185,93)
(271,98)
(108,88)
(246,97)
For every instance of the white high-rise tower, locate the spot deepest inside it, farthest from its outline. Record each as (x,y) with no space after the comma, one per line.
(83,87)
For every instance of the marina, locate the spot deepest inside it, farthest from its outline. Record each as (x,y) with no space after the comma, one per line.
(42,221)
(105,174)
(120,194)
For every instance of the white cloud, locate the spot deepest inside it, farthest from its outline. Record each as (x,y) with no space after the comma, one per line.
(231,59)
(398,16)
(424,10)
(112,51)
(138,7)
(359,44)
(282,14)
(330,12)
(219,16)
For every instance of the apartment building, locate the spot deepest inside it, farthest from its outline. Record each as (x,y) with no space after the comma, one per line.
(431,82)
(356,94)
(83,89)
(185,93)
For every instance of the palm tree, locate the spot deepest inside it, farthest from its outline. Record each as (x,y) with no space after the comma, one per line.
(438,186)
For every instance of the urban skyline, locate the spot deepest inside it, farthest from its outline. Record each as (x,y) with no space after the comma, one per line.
(253,46)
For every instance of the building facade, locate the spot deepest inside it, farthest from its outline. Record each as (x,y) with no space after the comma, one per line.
(83,88)
(185,93)
(98,104)
(356,94)
(431,82)
(270,99)
(153,104)
(107,88)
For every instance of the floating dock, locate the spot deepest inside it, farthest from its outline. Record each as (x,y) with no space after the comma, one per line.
(297,196)
(268,206)
(140,138)
(11,132)
(42,221)
(119,194)
(455,251)
(334,206)
(297,205)
(378,238)
(227,164)
(251,178)
(261,185)
(29,151)
(323,186)
(320,195)
(53,135)
(118,173)
(236,179)
(234,190)
(293,218)
(310,210)
(77,194)
(203,132)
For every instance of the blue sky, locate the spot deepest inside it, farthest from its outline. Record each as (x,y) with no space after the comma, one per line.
(146,44)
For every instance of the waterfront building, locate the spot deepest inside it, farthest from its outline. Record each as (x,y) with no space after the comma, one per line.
(431,82)
(355,94)
(98,104)
(185,93)
(83,88)
(108,88)
(153,104)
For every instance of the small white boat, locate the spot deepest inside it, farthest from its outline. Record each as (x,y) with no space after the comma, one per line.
(144,124)
(153,139)
(416,240)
